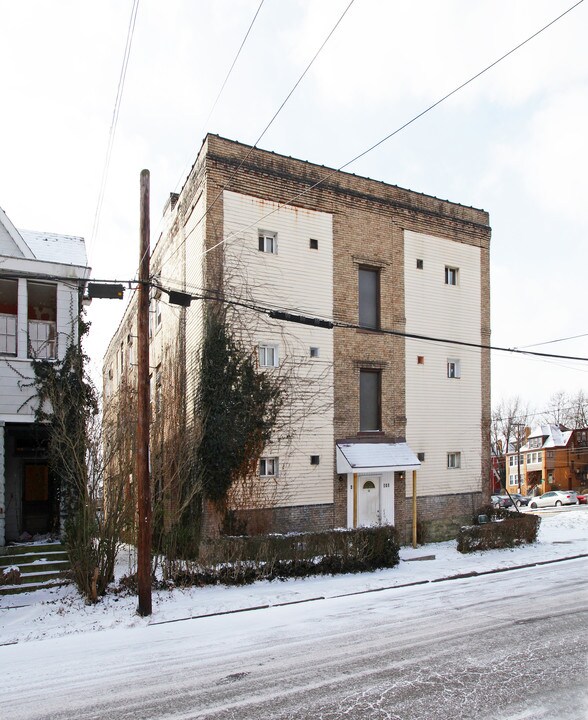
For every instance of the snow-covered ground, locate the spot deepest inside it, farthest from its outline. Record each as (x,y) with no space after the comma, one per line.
(58,612)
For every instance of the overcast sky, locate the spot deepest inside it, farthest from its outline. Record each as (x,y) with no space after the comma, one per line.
(513,142)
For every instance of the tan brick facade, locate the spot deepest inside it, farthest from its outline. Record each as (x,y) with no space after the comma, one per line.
(369,222)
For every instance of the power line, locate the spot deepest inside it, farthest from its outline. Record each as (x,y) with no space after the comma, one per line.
(330,324)
(226,78)
(267,127)
(232,65)
(286,315)
(114,122)
(549,342)
(332,172)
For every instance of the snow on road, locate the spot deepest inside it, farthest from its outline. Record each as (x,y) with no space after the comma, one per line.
(59,612)
(491,647)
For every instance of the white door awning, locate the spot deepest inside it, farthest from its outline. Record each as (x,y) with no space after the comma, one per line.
(362,457)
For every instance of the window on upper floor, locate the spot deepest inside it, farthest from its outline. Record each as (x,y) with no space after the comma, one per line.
(453,368)
(420,264)
(268,355)
(8,316)
(42,320)
(451,275)
(369,298)
(267,242)
(313,244)
(370,413)
(314,352)
(454,460)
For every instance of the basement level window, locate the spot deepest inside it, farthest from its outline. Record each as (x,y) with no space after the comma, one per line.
(454,460)
(315,459)
(268,466)
(313,244)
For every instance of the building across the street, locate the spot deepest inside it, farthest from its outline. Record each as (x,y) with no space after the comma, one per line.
(384,400)
(553,458)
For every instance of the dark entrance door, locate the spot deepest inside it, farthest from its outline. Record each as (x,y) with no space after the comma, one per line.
(37,500)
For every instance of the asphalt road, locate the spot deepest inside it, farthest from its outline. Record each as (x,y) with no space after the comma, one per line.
(510,646)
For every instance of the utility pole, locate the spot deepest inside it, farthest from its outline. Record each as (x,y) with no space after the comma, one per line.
(142,450)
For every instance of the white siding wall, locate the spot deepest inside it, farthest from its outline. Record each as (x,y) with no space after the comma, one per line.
(16,372)
(443,414)
(298,279)
(192,238)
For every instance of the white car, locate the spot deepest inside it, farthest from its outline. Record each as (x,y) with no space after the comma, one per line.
(554,498)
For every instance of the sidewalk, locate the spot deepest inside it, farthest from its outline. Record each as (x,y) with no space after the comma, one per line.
(44,614)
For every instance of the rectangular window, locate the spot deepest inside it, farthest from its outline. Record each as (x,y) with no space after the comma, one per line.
(42,339)
(369,298)
(315,459)
(313,244)
(421,456)
(268,356)
(453,369)
(314,352)
(42,320)
(268,242)
(268,466)
(420,265)
(513,479)
(7,334)
(454,460)
(369,400)
(8,316)
(451,275)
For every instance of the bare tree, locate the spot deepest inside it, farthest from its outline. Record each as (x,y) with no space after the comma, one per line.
(570,411)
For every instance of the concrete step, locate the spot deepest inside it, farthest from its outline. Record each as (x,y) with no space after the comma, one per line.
(32,558)
(39,566)
(30,587)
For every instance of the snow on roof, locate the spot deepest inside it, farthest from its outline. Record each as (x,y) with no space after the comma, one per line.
(553,436)
(375,457)
(51,247)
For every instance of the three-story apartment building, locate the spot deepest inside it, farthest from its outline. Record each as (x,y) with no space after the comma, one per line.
(400,384)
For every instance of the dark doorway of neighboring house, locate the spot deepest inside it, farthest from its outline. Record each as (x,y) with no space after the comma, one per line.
(37,500)
(32,499)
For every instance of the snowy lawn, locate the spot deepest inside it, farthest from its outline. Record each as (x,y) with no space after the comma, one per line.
(53,613)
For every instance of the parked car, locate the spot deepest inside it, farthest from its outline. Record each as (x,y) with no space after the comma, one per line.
(554,498)
(582,497)
(519,500)
(501,501)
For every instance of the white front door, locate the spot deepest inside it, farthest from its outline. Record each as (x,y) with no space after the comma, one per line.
(368,500)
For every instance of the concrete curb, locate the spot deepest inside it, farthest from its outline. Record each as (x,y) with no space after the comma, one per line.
(460,576)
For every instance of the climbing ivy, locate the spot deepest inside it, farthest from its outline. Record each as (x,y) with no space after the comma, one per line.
(238,407)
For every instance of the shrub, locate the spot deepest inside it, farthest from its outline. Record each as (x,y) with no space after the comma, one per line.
(243,560)
(10,576)
(516,529)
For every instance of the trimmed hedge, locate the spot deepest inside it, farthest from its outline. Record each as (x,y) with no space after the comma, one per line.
(243,560)
(501,532)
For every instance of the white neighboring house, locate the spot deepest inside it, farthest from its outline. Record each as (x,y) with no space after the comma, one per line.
(40,296)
